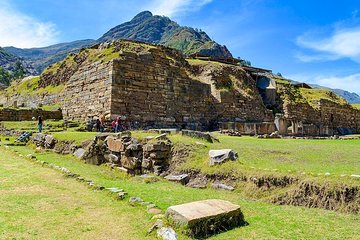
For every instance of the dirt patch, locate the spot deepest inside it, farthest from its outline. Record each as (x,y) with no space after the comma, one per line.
(337,197)
(180,153)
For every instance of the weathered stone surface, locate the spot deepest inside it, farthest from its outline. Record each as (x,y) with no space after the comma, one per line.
(198,182)
(49,141)
(115,145)
(182,178)
(206,217)
(38,139)
(112,158)
(79,153)
(197,134)
(154,211)
(221,156)
(222,186)
(167,234)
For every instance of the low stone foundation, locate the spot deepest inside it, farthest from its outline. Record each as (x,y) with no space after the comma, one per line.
(248,128)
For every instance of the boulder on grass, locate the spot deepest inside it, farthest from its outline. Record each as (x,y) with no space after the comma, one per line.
(221,156)
(207,217)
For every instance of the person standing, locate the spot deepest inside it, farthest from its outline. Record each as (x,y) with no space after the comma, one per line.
(98,125)
(113,125)
(40,124)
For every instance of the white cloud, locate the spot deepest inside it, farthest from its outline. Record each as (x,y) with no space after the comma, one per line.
(172,8)
(20,30)
(343,43)
(349,83)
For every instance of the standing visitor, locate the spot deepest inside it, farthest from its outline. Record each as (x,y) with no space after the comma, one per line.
(118,124)
(113,125)
(40,124)
(98,125)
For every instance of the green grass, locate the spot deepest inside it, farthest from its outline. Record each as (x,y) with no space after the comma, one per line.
(280,156)
(266,221)
(33,125)
(283,156)
(30,86)
(356,105)
(39,203)
(77,137)
(314,95)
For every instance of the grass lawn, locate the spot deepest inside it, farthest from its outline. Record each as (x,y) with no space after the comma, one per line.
(100,217)
(296,156)
(39,203)
(32,125)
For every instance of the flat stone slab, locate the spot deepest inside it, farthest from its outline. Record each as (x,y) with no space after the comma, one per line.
(204,218)
(182,178)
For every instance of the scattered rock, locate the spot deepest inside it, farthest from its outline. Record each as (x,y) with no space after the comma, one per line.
(206,217)
(135,200)
(122,195)
(198,182)
(158,224)
(222,186)
(154,211)
(114,190)
(221,156)
(167,234)
(79,153)
(355,175)
(182,178)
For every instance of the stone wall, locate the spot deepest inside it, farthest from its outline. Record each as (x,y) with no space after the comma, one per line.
(157,89)
(30,100)
(88,92)
(344,118)
(318,117)
(7,114)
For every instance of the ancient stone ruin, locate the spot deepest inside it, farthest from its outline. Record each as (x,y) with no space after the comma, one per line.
(119,150)
(156,87)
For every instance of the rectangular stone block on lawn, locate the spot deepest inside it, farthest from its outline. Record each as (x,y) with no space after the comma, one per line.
(204,218)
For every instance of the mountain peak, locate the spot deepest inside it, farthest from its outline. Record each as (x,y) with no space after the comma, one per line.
(142,16)
(146,27)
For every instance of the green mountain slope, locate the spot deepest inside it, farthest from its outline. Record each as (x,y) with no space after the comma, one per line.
(40,58)
(161,30)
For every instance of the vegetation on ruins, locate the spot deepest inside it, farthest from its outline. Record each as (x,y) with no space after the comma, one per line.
(314,95)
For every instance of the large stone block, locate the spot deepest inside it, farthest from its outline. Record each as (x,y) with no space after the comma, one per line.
(206,217)
(115,145)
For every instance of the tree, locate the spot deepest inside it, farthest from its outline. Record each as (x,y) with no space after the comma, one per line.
(5,76)
(19,71)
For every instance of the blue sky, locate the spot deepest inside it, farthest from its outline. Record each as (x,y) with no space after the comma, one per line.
(311,41)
